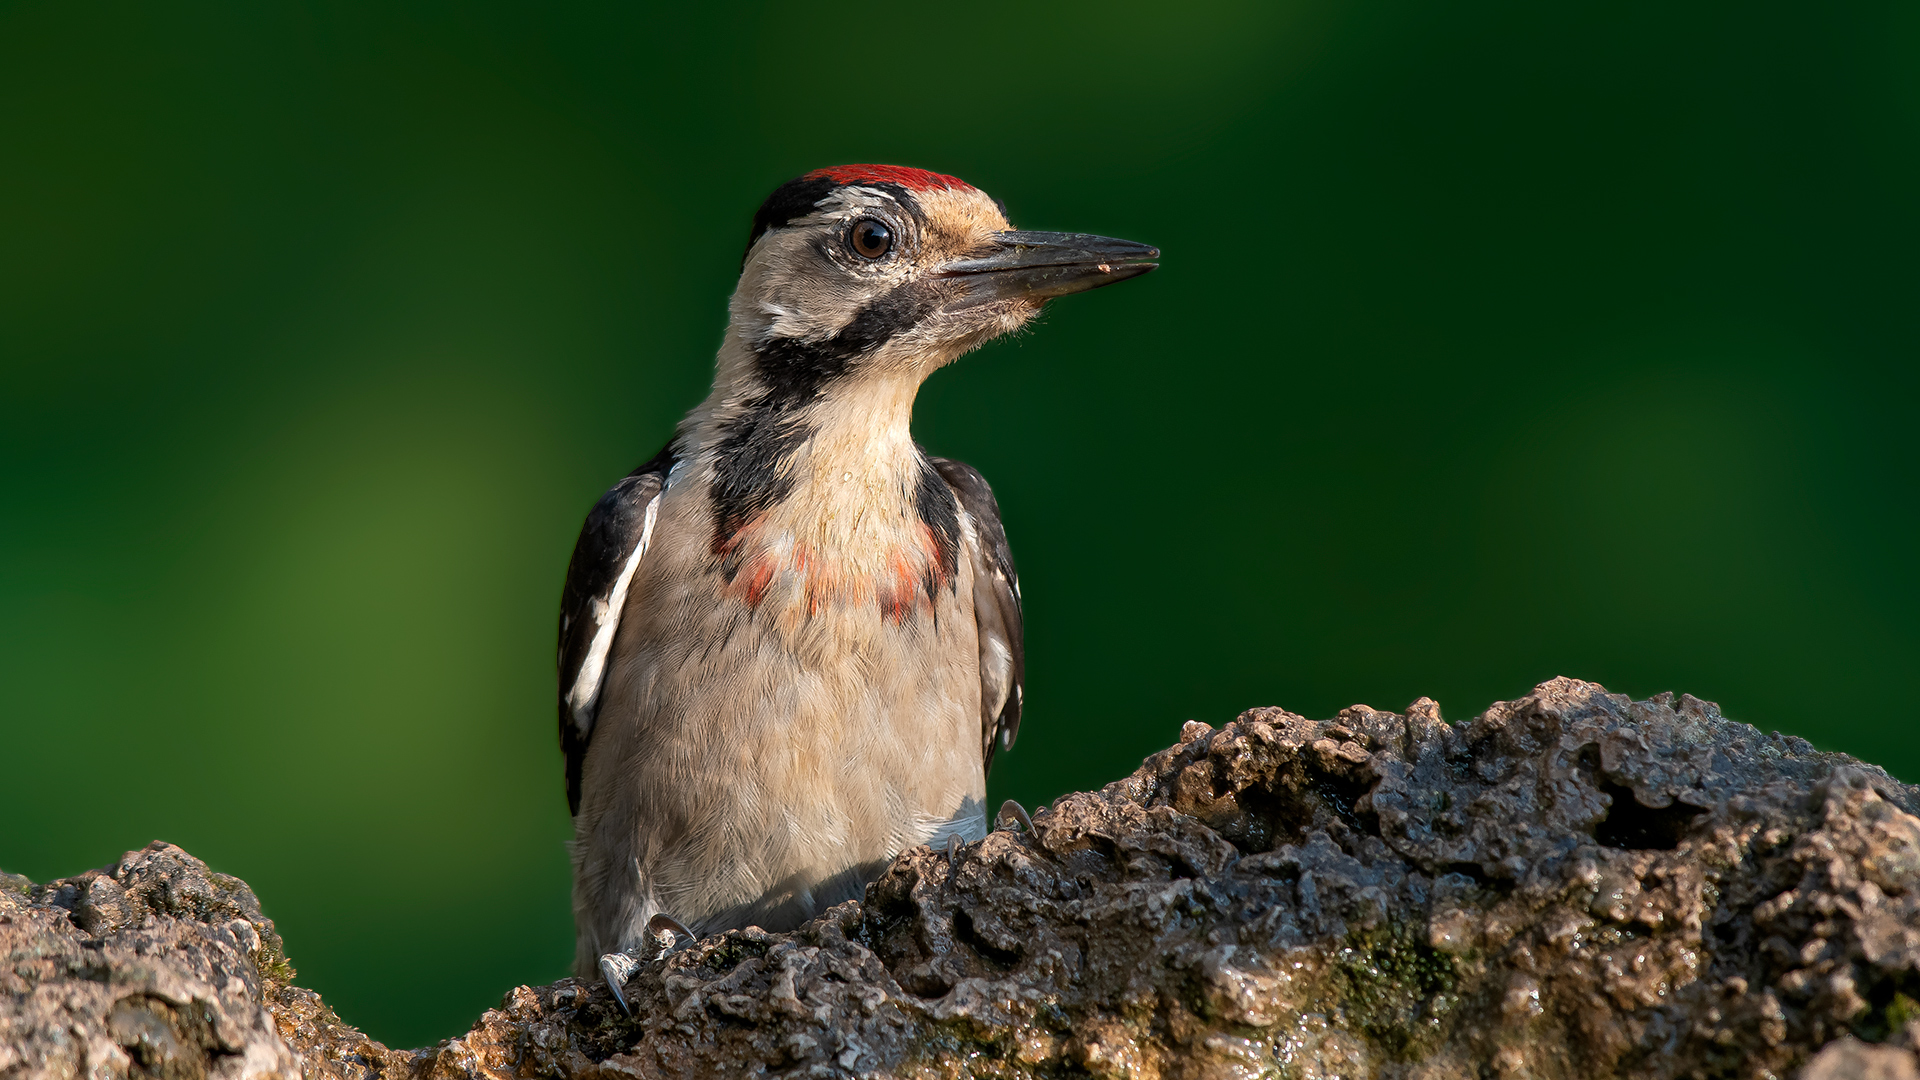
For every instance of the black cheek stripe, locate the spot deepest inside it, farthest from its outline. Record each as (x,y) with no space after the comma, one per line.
(794,370)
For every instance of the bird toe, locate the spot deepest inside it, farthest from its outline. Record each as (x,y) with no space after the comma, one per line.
(616,969)
(1011,812)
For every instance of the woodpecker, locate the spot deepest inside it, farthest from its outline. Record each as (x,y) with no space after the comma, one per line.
(790,643)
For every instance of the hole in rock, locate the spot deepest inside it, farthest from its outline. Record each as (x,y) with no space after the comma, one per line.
(1341,796)
(1892,1005)
(1632,824)
(1263,817)
(964,929)
(1267,817)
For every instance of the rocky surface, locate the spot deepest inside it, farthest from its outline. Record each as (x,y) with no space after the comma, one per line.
(151,967)
(1571,885)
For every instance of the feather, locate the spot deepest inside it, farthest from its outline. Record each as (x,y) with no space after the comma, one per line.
(611,545)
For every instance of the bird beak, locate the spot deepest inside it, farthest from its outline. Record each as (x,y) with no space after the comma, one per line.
(1042,265)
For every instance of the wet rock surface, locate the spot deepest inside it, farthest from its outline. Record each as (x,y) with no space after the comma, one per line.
(1571,885)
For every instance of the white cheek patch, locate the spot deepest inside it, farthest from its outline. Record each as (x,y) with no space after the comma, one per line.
(584,698)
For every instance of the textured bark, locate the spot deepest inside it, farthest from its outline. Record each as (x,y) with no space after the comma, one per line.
(1571,885)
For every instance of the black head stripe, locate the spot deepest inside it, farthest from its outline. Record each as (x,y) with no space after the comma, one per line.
(801,196)
(905,198)
(793,199)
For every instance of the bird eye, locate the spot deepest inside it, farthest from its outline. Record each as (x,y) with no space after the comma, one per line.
(871,239)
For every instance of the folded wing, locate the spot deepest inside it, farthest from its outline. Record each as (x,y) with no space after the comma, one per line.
(996,605)
(611,545)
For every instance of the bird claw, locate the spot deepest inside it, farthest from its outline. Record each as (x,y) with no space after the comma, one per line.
(953,853)
(1014,811)
(661,927)
(616,968)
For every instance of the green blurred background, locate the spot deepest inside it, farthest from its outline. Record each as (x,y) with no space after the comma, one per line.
(1492,342)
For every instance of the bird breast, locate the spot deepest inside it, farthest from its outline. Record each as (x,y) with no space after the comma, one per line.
(887,563)
(847,541)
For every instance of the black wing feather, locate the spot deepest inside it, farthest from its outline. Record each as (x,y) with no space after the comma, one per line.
(607,540)
(996,603)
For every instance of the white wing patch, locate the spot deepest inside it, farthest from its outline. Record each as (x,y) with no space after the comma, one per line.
(996,673)
(585,695)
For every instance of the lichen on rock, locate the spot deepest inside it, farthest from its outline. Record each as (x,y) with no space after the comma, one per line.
(1571,885)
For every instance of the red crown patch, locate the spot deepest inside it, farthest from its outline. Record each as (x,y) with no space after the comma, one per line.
(911,179)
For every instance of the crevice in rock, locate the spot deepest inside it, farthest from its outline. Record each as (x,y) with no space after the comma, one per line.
(1343,796)
(1893,1003)
(1473,872)
(970,935)
(1267,817)
(1635,826)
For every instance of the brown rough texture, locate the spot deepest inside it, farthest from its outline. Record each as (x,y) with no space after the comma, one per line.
(154,966)
(1572,885)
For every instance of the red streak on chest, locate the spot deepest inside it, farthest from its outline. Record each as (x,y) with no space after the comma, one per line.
(908,579)
(758,577)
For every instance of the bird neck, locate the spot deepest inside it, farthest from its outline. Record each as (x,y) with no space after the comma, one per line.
(818,496)
(832,464)
(863,425)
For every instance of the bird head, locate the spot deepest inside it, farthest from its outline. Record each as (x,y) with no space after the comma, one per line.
(865,270)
